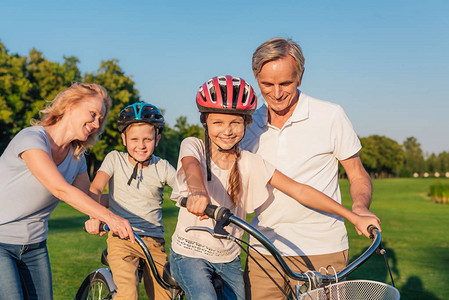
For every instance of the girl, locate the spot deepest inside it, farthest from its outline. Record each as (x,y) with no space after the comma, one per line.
(42,164)
(217,172)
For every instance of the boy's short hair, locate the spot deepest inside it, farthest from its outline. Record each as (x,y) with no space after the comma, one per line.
(157,132)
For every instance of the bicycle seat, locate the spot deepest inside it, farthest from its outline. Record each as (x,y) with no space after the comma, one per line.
(166,276)
(217,281)
(104,257)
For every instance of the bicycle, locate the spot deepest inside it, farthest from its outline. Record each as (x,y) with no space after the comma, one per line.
(99,284)
(315,285)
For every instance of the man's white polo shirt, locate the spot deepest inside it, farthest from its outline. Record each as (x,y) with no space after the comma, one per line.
(307,149)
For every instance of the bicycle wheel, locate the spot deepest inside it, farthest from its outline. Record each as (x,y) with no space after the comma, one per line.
(98,285)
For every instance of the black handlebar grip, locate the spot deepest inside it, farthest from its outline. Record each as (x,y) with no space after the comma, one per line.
(212,211)
(371,229)
(104,227)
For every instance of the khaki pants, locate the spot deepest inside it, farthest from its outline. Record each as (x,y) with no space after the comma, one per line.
(258,285)
(123,258)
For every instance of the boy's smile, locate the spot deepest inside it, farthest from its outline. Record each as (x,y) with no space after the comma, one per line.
(140,140)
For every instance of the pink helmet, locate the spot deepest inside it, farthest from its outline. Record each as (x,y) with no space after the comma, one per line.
(226,94)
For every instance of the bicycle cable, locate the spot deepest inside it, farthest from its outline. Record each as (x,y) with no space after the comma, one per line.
(382,251)
(286,280)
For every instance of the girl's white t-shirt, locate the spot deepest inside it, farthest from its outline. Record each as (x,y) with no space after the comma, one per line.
(254,173)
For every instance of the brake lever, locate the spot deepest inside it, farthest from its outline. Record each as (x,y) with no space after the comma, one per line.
(210,231)
(200,228)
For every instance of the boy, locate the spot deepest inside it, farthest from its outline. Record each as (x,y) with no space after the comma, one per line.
(137,198)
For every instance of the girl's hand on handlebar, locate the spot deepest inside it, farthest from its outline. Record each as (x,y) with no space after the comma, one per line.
(92,226)
(121,227)
(197,203)
(364,222)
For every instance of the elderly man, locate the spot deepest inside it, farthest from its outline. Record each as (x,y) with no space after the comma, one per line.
(305,138)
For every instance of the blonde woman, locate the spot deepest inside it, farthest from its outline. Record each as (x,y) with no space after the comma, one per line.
(41,165)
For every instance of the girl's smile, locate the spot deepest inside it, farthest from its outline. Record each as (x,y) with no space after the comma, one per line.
(225,130)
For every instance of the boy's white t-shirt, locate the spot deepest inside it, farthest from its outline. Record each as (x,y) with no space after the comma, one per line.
(254,173)
(141,201)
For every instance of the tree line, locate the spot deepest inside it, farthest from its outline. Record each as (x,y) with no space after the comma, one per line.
(28,82)
(384,157)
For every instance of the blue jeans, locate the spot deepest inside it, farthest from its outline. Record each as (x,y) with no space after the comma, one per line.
(25,272)
(194,277)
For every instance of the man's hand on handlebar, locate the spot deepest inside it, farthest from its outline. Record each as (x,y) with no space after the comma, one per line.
(365,212)
(363,222)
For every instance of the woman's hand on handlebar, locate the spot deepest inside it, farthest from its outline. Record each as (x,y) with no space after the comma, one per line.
(120,227)
(363,222)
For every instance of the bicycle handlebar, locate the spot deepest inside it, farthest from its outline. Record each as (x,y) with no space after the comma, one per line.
(225,216)
(212,211)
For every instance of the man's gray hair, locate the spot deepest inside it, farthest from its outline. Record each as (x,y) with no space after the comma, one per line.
(275,49)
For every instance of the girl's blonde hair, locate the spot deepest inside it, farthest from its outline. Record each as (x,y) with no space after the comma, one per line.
(73,95)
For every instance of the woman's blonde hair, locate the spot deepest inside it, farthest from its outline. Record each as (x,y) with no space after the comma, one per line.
(73,95)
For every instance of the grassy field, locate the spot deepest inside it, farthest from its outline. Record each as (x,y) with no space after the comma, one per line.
(415,235)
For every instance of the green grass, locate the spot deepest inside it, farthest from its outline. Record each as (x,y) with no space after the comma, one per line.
(415,235)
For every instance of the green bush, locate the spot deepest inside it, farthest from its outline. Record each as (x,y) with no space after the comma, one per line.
(439,193)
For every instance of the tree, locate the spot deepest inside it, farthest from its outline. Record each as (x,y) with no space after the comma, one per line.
(443,161)
(168,147)
(381,156)
(432,164)
(14,87)
(26,84)
(122,92)
(413,158)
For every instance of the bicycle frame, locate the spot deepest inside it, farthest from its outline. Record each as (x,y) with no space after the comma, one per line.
(224,217)
(165,281)
(299,276)
(151,264)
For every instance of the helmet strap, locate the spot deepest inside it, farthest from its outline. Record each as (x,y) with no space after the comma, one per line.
(136,167)
(207,145)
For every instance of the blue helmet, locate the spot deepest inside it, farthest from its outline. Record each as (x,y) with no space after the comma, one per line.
(140,113)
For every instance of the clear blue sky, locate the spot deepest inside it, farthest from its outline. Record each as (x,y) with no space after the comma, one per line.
(385,62)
